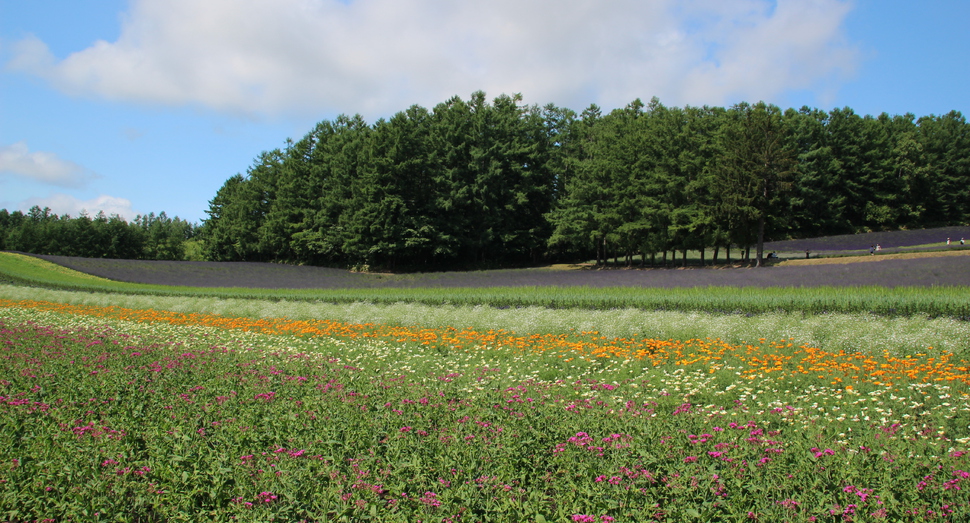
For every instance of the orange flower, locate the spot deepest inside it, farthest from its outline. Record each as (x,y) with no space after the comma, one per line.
(764,358)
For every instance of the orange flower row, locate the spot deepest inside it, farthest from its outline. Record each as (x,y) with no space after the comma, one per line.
(762,359)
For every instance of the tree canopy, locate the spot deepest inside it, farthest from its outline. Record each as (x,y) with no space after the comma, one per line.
(479,183)
(492,183)
(147,237)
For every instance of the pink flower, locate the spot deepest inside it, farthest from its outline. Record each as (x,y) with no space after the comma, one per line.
(682,409)
(268,396)
(819,453)
(430,499)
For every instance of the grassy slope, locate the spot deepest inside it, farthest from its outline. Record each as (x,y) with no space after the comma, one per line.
(874,258)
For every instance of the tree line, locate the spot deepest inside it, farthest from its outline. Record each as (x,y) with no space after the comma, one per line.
(479,183)
(473,183)
(147,237)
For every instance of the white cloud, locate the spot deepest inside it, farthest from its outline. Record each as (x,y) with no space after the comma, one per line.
(380,56)
(42,167)
(61,204)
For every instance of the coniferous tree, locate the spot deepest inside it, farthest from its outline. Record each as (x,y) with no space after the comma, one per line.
(573,221)
(816,202)
(478,182)
(754,171)
(945,142)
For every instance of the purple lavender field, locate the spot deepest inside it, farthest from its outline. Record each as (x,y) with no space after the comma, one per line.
(936,271)
(891,241)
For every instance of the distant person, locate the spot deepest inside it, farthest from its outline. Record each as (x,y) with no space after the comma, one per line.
(948,241)
(872,250)
(878,247)
(962,242)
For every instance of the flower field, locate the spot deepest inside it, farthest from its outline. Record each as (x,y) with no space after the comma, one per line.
(124,414)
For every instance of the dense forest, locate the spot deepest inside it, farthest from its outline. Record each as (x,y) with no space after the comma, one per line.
(147,237)
(477,183)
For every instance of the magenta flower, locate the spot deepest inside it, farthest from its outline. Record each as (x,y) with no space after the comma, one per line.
(682,409)
(819,453)
(430,499)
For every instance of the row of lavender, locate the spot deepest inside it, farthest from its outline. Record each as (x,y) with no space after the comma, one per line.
(923,272)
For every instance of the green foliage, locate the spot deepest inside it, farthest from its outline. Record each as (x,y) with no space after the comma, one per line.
(754,170)
(473,184)
(480,184)
(147,237)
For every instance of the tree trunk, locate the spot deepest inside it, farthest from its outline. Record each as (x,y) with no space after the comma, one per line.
(716,249)
(761,242)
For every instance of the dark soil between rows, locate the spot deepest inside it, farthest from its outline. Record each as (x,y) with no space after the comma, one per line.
(942,271)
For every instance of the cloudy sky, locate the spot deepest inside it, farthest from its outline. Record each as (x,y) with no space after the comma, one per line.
(138,106)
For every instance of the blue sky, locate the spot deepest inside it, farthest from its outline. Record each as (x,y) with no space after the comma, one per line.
(138,106)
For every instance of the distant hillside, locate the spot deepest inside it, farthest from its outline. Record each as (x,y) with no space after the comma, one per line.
(888,240)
